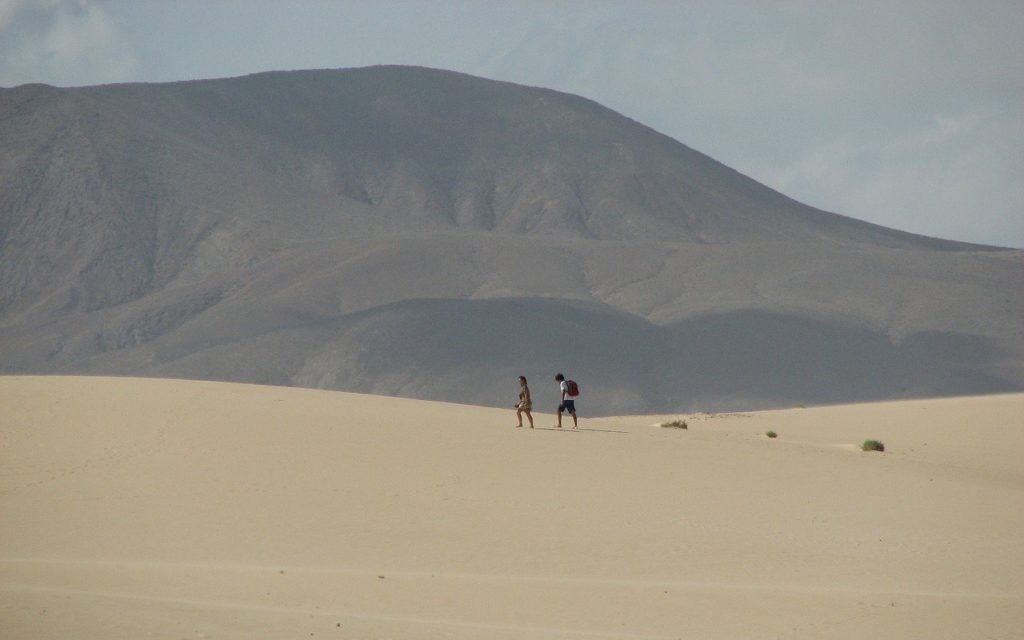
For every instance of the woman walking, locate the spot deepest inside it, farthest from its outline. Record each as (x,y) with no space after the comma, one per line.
(525,403)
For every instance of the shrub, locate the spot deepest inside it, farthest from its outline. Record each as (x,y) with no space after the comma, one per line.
(872,445)
(772,434)
(675,424)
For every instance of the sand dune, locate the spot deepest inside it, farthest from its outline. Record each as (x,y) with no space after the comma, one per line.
(134,508)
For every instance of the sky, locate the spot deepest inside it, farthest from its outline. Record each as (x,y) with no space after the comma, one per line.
(908,114)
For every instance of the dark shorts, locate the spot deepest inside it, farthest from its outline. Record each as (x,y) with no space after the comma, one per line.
(568,405)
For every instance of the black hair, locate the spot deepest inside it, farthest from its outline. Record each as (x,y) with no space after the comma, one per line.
(523,378)
(559,377)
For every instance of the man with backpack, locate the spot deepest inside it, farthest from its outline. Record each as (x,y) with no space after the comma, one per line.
(569,391)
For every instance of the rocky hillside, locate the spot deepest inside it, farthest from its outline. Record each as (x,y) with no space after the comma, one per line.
(426,233)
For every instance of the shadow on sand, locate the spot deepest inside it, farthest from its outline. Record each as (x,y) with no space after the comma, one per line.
(570,430)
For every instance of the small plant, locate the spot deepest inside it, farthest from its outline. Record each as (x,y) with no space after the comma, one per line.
(675,424)
(772,434)
(872,445)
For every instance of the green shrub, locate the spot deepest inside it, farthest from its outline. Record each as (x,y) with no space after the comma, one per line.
(872,445)
(772,434)
(675,424)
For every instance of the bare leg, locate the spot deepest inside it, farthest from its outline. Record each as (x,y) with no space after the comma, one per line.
(559,423)
(519,417)
(530,416)
(575,425)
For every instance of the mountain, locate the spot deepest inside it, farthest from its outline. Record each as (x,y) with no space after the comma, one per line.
(426,233)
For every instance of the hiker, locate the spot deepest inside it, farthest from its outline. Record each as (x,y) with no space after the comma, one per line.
(569,390)
(525,403)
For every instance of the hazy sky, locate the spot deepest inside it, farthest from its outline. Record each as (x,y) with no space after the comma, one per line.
(908,114)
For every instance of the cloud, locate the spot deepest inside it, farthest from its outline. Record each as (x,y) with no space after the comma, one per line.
(63,42)
(7,8)
(955,176)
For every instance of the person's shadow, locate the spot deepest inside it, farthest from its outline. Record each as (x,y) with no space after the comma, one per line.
(570,430)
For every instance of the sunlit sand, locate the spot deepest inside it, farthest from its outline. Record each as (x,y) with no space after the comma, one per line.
(134,508)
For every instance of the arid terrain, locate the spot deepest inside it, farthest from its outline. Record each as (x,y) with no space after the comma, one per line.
(141,508)
(422,233)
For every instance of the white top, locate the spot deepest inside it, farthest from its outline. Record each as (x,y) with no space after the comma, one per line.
(564,386)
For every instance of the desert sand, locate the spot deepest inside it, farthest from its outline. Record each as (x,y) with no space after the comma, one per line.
(135,508)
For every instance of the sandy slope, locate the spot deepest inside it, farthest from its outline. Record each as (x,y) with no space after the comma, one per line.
(151,508)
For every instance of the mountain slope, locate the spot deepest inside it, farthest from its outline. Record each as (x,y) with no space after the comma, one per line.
(237,228)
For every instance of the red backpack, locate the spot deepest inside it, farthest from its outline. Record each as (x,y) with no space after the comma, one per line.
(573,389)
